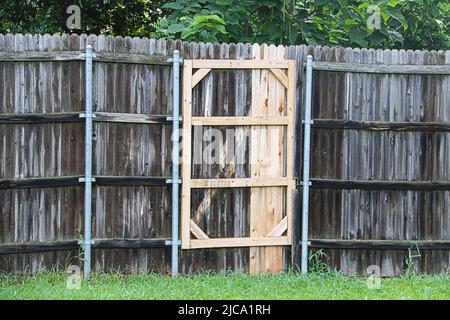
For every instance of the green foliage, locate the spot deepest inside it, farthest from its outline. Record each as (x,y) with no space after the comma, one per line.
(159,29)
(411,24)
(209,21)
(410,271)
(52,285)
(201,28)
(415,24)
(316,262)
(115,17)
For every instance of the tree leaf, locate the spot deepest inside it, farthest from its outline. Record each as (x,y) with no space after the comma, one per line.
(173,6)
(175,28)
(396,15)
(357,36)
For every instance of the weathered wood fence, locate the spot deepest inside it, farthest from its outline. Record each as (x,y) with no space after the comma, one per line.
(380,155)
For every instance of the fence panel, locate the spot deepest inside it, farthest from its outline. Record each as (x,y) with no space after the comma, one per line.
(45,210)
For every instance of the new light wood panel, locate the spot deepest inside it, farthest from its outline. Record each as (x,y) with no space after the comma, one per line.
(267,151)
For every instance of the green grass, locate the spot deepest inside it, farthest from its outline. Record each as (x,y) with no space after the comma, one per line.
(332,285)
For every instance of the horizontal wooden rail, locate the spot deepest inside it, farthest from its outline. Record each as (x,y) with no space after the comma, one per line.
(136,243)
(42,56)
(380,185)
(131,243)
(240,121)
(238,242)
(37,118)
(382,68)
(67,56)
(68,181)
(380,244)
(241,64)
(31,247)
(131,118)
(128,58)
(131,181)
(239,183)
(49,246)
(46,182)
(27,118)
(380,126)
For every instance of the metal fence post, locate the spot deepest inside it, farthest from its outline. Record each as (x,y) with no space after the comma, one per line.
(306,165)
(88,165)
(175,159)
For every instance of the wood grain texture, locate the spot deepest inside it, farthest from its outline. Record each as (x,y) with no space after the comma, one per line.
(239,183)
(381,68)
(377,141)
(279,229)
(240,121)
(187,155)
(261,122)
(196,231)
(34,145)
(239,242)
(267,159)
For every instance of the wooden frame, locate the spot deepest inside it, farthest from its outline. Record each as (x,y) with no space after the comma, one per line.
(285,181)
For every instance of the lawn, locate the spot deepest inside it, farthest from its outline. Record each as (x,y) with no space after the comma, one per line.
(47,285)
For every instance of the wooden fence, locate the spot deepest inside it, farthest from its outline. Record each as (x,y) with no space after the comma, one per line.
(380,182)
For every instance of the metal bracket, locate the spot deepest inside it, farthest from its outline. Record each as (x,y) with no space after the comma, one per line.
(180,59)
(83,55)
(169,242)
(84,242)
(84,179)
(310,122)
(170,118)
(84,115)
(172,181)
(305,65)
(303,183)
(308,243)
